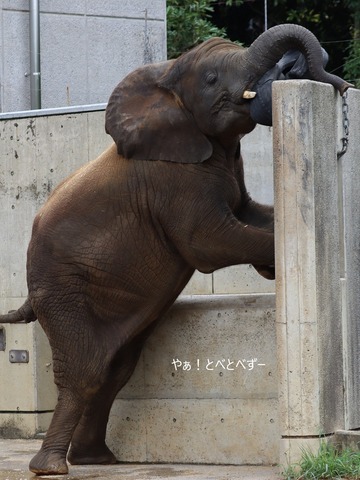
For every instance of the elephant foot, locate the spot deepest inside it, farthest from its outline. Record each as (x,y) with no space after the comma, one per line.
(94,455)
(48,463)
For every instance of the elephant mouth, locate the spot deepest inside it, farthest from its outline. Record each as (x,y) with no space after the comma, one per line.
(236,116)
(240,105)
(226,102)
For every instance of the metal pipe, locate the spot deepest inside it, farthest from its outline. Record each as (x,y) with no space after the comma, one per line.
(35,77)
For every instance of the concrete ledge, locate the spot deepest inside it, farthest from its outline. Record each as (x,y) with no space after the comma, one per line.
(47,112)
(205,387)
(343,439)
(292,449)
(266,300)
(207,336)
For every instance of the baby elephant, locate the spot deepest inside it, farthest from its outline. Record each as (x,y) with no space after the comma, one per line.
(119,239)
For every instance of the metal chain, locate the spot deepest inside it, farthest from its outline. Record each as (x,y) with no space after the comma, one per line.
(345,138)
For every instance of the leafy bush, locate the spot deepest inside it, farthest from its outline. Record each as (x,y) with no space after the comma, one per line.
(327,463)
(189,23)
(352,63)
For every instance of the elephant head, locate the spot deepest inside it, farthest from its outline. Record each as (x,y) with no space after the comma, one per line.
(174,110)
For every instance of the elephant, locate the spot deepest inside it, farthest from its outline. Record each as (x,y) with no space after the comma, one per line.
(117,241)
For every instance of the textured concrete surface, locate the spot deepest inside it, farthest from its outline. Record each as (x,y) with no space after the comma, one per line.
(317,238)
(349,167)
(346,439)
(307,232)
(16,454)
(86,47)
(34,161)
(205,388)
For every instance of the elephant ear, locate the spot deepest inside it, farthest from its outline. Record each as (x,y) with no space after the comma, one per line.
(148,122)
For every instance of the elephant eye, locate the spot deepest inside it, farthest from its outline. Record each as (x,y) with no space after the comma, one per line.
(211,78)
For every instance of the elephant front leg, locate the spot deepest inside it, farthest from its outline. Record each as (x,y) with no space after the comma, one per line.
(260,216)
(219,241)
(257,215)
(266,271)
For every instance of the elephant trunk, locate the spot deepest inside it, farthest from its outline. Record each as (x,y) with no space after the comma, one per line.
(269,47)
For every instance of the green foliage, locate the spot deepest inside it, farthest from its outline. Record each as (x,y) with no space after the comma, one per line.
(189,23)
(352,63)
(333,22)
(303,16)
(327,463)
(336,23)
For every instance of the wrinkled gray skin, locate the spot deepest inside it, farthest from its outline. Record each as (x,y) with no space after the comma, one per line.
(118,240)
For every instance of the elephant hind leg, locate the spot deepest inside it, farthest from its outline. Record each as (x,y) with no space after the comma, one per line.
(80,371)
(88,442)
(81,408)
(51,460)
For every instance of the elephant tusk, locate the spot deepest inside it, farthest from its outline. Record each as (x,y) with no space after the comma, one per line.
(248,94)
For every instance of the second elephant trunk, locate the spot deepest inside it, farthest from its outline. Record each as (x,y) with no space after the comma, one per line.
(269,47)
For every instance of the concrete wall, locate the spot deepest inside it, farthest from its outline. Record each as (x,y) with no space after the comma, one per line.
(86,47)
(33,162)
(350,265)
(222,410)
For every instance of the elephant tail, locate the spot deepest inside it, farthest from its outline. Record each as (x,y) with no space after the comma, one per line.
(25,314)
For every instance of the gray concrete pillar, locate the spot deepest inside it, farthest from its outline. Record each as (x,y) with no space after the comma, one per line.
(350,168)
(308,264)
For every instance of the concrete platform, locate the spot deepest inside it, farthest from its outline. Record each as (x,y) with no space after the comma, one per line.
(16,454)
